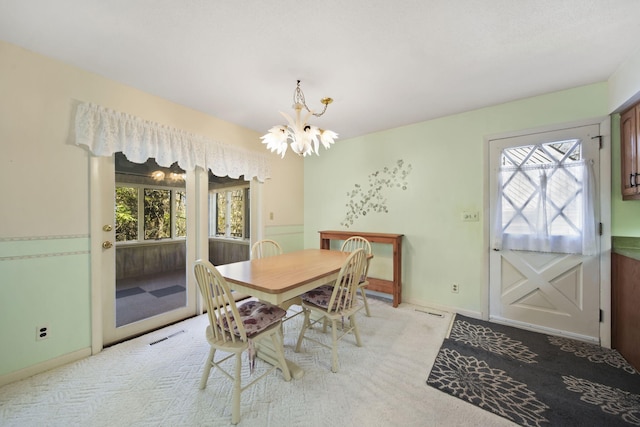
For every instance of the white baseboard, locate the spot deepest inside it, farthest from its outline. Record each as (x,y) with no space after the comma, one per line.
(445,308)
(545,330)
(479,315)
(44,366)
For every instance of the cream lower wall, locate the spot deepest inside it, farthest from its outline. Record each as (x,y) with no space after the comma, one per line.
(448,177)
(45,204)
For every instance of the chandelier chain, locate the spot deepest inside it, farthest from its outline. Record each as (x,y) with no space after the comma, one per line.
(298,98)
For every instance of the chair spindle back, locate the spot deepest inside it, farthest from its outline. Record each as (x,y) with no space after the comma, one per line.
(221,307)
(346,286)
(358,242)
(265,248)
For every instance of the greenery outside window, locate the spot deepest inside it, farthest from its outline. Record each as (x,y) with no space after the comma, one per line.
(229,213)
(153,212)
(151,201)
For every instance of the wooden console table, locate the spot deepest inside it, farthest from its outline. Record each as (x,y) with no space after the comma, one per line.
(393,287)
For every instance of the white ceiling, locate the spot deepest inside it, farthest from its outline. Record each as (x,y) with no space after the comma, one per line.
(385,63)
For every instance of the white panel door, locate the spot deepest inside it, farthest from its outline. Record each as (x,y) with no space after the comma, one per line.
(547,291)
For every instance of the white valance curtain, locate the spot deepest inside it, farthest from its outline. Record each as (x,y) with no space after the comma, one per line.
(106,132)
(547,208)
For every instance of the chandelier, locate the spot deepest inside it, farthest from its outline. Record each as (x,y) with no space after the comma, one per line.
(304,138)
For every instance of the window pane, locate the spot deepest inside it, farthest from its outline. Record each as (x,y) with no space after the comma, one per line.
(150,204)
(181,214)
(228,207)
(157,214)
(560,194)
(221,213)
(543,154)
(542,197)
(126,214)
(247,213)
(212,214)
(237,213)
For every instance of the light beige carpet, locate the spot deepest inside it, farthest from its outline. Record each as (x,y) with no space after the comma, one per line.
(134,383)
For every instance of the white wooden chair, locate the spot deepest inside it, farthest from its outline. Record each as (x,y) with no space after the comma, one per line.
(335,303)
(265,248)
(231,327)
(237,296)
(349,245)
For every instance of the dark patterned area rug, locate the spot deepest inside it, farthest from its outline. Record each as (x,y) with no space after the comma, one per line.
(534,379)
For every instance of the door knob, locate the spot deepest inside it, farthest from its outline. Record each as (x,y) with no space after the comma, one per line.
(106,244)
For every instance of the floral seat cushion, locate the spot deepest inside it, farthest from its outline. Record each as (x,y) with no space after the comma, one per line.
(320,296)
(256,316)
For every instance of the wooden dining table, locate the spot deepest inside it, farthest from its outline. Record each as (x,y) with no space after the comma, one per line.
(280,279)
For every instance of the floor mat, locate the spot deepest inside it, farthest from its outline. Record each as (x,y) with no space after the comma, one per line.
(535,379)
(129,292)
(167,291)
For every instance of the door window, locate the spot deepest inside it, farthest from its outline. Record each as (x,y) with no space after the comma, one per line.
(151,231)
(545,199)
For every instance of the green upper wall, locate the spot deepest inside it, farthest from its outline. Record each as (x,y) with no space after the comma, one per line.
(448,176)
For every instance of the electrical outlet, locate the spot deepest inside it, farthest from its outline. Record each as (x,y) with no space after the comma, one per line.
(42,332)
(455,288)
